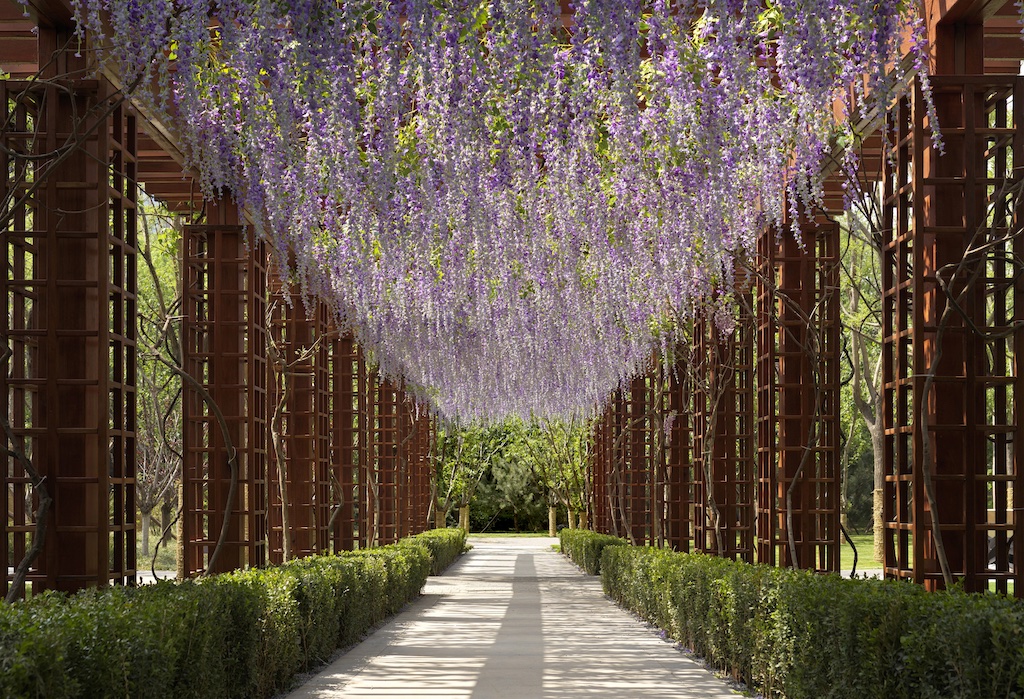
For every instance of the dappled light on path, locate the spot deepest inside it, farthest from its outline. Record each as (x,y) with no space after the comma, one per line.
(513,619)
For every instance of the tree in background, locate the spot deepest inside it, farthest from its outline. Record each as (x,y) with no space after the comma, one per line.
(509,497)
(463,456)
(860,282)
(557,454)
(158,406)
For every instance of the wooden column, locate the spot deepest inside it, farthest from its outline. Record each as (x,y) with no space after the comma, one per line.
(798,398)
(678,459)
(961,426)
(366,383)
(600,470)
(300,392)
(638,462)
(345,437)
(723,496)
(224,351)
(69,297)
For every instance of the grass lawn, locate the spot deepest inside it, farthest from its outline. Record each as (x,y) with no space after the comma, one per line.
(487,535)
(1009,588)
(865,552)
(167,558)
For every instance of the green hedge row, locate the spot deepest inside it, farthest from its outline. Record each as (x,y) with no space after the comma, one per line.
(796,634)
(584,547)
(445,546)
(242,634)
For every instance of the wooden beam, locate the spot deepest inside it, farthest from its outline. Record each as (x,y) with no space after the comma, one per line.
(962,11)
(48,13)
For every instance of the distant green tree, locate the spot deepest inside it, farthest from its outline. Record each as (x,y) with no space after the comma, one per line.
(463,456)
(158,406)
(557,454)
(509,497)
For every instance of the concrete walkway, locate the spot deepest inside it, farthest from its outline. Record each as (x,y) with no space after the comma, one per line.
(513,618)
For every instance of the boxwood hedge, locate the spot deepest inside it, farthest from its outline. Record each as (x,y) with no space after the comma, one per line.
(241,634)
(797,634)
(445,546)
(583,547)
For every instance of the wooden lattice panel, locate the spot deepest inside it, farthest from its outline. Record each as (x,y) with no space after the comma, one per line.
(425,467)
(366,383)
(417,441)
(937,206)
(404,462)
(300,396)
(618,449)
(69,292)
(723,437)
(224,348)
(325,495)
(385,454)
(678,459)
(637,461)
(798,397)
(600,469)
(345,438)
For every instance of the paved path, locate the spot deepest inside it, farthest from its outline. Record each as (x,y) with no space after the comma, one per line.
(515,619)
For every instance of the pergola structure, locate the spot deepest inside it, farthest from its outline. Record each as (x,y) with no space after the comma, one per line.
(952,320)
(275,401)
(731,448)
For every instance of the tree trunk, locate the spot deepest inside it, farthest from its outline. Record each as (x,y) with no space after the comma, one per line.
(878,525)
(166,516)
(147,518)
(179,548)
(877,520)
(552,520)
(572,519)
(464,518)
(584,520)
(440,521)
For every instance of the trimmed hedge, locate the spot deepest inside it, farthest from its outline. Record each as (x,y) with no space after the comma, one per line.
(584,547)
(241,634)
(445,546)
(797,634)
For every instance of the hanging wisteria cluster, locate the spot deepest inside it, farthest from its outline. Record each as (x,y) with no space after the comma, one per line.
(512,203)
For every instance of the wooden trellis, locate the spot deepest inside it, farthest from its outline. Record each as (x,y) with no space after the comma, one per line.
(617,454)
(723,436)
(404,457)
(964,427)
(418,497)
(69,296)
(678,459)
(385,461)
(636,461)
(300,387)
(224,350)
(366,382)
(600,468)
(416,436)
(345,363)
(426,465)
(640,465)
(798,397)
(326,496)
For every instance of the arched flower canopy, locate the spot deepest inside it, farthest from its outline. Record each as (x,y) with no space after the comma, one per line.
(510,214)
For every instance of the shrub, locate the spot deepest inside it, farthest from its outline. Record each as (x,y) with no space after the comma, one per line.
(584,547)
(445,545)
(242,634)
(797,634)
